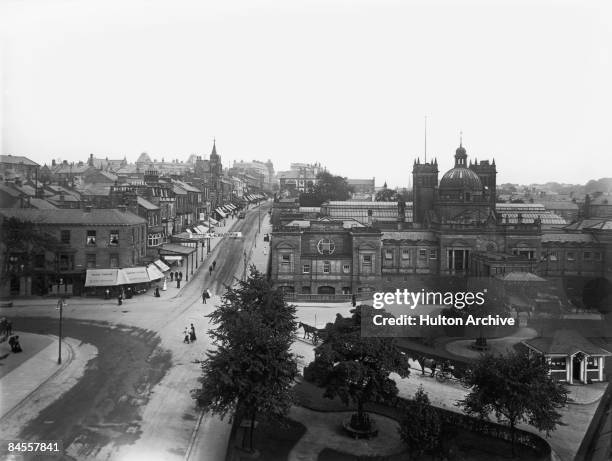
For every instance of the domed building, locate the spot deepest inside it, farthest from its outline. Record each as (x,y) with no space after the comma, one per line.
(465,194)
(462,196)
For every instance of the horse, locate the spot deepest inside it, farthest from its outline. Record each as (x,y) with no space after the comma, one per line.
(310,332)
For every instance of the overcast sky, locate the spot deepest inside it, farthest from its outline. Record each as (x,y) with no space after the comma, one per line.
(344,83)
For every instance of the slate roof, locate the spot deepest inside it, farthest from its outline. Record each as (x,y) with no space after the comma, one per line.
(99,217)
(17,159)
(567,237)
(146,204)
(565,342)
(41,204)
(9,190)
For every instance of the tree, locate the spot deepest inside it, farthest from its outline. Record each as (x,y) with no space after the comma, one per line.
(251,372)
(21,241)
(356,369)
(386,195)
(328,187)
(421,425)
(516,388)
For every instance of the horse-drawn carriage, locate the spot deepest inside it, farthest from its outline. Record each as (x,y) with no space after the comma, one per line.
(310,332)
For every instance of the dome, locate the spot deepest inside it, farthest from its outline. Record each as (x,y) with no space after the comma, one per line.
(460,178)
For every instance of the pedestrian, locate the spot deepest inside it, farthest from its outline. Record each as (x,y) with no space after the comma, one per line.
(119,299)
(157,292)
(354,300)
(178,283)
(107,294)
(204,297)
(171,276)
(214,264)
(210,270)
(186,336)
(192,335)
(14,343)
(434,365)
(180,275)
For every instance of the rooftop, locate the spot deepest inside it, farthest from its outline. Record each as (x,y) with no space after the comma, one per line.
(99,217)
(17,160)
(565,342)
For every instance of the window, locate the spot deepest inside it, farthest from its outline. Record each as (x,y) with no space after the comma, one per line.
(113,260)
(571,256)
(388,254)
(91,237)
(114,238)
(39,261)
(422,253)
(557,363)
(306,269)
(367,260)
(406,253)
(433,254)
(587,255)
(346,268)
(66,262)
(326,267)
(65,236)
(597,256)
(553,256)
(593,362)
(286,259)
(306,290)
(90,260)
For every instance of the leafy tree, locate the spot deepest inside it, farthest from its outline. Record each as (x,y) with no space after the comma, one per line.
(356,369)
(21,241)
(421,425)
(386,195)
(251,372)
(515,387)
(328,187)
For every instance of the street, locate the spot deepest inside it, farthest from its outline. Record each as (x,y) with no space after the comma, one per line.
(133,400)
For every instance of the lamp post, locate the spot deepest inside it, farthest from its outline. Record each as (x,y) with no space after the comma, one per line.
(60,306)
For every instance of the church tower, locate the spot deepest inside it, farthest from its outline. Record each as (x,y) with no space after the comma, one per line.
(424,184)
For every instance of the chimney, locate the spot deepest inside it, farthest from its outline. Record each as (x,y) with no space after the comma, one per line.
(53,162)
(370,218)
(87,208)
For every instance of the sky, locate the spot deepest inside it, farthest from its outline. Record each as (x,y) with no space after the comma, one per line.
(344,83)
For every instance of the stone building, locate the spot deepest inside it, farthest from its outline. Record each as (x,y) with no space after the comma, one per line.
(326,258)
(87,238)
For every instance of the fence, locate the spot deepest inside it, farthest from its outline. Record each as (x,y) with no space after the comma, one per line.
(326,298)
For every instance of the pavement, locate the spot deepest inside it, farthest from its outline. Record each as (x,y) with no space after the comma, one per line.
(171,427)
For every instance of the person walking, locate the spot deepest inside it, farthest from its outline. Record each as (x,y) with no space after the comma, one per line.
(171,276)
(186,336)
(214,264)
(204,296)
(119,299)
(210,269)
(192,335)
(157,292)
(354,300)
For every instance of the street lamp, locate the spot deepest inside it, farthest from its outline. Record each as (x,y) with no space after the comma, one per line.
(60,306)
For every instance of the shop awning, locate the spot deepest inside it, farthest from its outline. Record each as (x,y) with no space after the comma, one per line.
(195,230)
(136,274)
(160,264)
(105,278)
(221,212)
(214,222)
(231,206)
(154,273)
(173,258)
(202,229)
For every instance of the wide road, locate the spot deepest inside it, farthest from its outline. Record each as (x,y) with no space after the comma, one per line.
(139,346)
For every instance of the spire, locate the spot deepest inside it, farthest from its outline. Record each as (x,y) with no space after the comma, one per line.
(426,139)
(214,150)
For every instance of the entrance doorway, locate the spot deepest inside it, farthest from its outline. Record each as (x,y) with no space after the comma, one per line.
(576,369)
(326,290)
